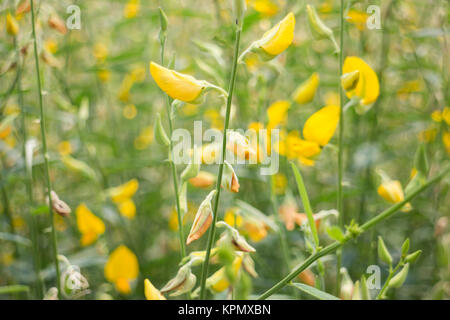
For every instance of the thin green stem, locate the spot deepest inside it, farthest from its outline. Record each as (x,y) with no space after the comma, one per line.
(46,156)
(172,164)
(366,226)
(28,179)
(340,195)
(386,283)
(219,177)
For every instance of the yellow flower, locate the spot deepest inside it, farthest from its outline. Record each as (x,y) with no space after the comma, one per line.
(358,18)
(446,115)
(131,9)
(177,85)
(265,7)
(144,139)
(219,281)
(409,87)
(190,109)
(125,191)
(232,219)
(12,27)
(280,183)
(89,225)
(277,113)
(51,45)
(127,208)
(100,52)
(5,132)
(151,293)
(214,117)
(428,135)
(320,127)
(280,37)
(332,98)
(392,191)
(121,268)
(446,140)
(306,91)
(368,87)
(65,148)
(104,75)
(125,87)
(203,179)
(129,111)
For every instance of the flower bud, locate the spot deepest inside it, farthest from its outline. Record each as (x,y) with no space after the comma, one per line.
(320,28)
(412,257)
(349,81)
(163,19)
(57,23)
(202,219)
(229,180)
(233,236)
(398,280)
(239,8)
(203,179)
(405,247)
(383,252)
(59,206)
(249,265)
(160,133)
(421,160)
(183,282)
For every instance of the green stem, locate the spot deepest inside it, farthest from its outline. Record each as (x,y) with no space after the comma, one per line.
(366,226)
(386,284)
(219,177)
(172,164)
(340,195)
(46,156)
(28,179)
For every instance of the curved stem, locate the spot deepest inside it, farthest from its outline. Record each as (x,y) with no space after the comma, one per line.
(219,177)
(366,226)
(46,157)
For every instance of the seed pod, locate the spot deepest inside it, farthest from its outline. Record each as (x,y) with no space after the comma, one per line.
(183,282)
(365,294)
(412,257)
(160,133)
(229,180)
(319,27)
(405,247)
(59,206)
(383,252)
(163,19)
(349,81)
(398,280)
(202,219)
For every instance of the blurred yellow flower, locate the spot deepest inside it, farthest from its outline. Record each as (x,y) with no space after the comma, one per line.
(51,45)
(332,98)
(89,225)
(392,191)
(5,132)
(320,127)
(65,148)
(266,7)
(214,117)
(11,109)
(177,85)
(368,87)
(12,27)
(104,75)
(232,219)
(280,37)
(100,52)
(256,230)
(129,111)
(446,140)
(219,281)
(409,87)
(151,293)
(446,115)
(122,268)
(131,9)
(428,135)
(306,91)
(280,183)
(144,139)
(121,196)
(358,18)
(125,87)
(277,113)
(203,179)
(190,109)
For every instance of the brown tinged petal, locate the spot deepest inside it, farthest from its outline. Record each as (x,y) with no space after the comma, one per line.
(202,219)
(307,277)
(57,23)
(233,236)
(183,282)
(59,206)
(230,180)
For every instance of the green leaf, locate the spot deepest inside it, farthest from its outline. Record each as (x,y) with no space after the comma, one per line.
(319,294)
(14,289)
(335,233)
(306,203)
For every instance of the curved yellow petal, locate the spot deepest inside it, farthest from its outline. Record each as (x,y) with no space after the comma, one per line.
(124,191)
(177,85)
(89,225)
(121,264)
(151,293)
(277,113)
(307,90)
(321,126)
(127,208)
(280,37)
(368,87)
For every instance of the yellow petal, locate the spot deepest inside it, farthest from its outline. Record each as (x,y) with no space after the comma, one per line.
(368,87)
(358,18)
(127,208)
(321,126)
(231,219)
(124,191)
(446,140)
(265,7)
(177,85)
(122,264)
(12,27)
(306,148)
(446,115)
(89,225)
(306,91)
(280,37)
(151,293)
(123,285)
(277,113)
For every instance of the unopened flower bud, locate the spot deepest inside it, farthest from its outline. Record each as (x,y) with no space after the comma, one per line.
(229,180)
(202,219)
(183,282)
(160,133)
(57,23)
(412,257)
(398,280)
(59,206)
(383,252)
(349,81)
(12,27)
